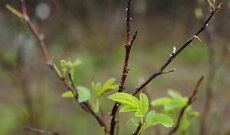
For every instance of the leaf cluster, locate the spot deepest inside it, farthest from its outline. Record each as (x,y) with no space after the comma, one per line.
(141,109)
(171,105)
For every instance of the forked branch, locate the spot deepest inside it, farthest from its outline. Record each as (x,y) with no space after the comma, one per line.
(137,132)
(176,53)
(128,46)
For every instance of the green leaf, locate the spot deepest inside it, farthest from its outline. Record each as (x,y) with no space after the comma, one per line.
(174,94)
(125,99)
(108,83)
(96,87)
(95,105)
(134,122)
(143,105)
(128,108)
(193,115)
(153,118)
(176,103)
(107,86)
(184,125)
(84,94)
(67,94)
(161,101)
(171,113)
(189,108)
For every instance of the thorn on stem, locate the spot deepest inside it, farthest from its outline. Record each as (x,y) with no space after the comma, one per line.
(197,38)
(174,49)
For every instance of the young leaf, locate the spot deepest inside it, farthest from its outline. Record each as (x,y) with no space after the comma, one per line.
(67,94)
(95,105)
(84,94)
(153,118)
(161,101)
(184,125)
(108,83)
(107,86)
(193,115)
(126,99)
(95,87)
(144,105)
(171,113)
(176,103)
(174,94)
(134,122)
(128,108)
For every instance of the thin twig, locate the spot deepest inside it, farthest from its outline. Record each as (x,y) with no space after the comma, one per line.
(137,132)
(173,55)
(190,101)
(128,47)
(41,131)
(44,51)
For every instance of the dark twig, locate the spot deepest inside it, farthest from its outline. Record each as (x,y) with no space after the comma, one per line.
(128,46)
(190,101)
(174,54)
(44,51)
(41,131)
(137,132)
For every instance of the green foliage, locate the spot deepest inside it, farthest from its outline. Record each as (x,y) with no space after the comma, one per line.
(68,94)
(83,94)
(133,121)
(67,67)
(99,89)
(176,101)
(106,87)
(131,103)
(127,100)
(140,107)
(143,105)
(172,104)
(153,118)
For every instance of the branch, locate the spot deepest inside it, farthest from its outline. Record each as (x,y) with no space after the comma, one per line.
(41,131)
(190,101)
(128,47)
(43,47)
(137,132)
(175,54)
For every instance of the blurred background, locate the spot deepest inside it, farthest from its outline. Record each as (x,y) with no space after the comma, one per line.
(94,32)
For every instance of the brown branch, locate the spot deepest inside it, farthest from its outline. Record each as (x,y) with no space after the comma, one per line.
(175,54)
(190,101)
(137,132)
(41,131)
(128,47)
(44,51)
